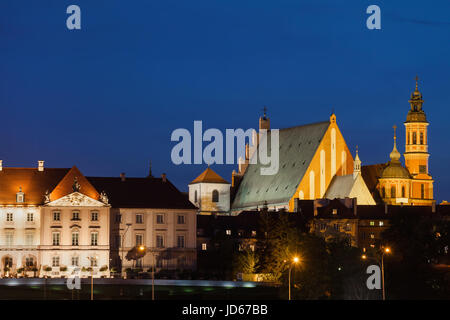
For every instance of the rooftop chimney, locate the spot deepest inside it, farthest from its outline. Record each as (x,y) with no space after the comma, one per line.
(122,176)
(1,165)
(163,176)
(41,165)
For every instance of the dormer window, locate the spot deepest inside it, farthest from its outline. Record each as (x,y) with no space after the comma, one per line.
(20,196)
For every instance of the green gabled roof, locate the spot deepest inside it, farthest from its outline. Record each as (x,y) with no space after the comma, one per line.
(297,148)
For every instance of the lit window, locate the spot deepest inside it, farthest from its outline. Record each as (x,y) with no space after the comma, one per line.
(204,246)
(381,223)
(372,236)
(20,196)
(9,217)
(56,216)
(253,233)
(228,232)
(94,238)
(139,218)
(94,216)
(334,211)
(252,247)
(372,223)
(56,238)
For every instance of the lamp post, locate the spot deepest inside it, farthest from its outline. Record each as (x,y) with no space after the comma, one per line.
(91,259)
(295,260)
(143,249)
(123,239)
(386,250)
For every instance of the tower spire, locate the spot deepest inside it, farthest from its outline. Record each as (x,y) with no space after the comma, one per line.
(395,155)
(356,165)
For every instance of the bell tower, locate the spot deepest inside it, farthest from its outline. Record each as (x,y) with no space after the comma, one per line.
(416,150)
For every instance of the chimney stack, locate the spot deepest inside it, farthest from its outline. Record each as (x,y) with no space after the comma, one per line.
(1,165)
(41,165)
(163,176)
(122,176)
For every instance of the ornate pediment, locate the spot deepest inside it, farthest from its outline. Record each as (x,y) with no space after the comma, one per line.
(76,199)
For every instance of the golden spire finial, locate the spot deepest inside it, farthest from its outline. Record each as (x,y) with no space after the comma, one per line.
(417,83)
(395,129)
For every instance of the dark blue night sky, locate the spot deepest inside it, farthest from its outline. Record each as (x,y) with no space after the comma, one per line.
(106,98)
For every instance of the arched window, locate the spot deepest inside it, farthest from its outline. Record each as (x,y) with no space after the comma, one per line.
(421,138)
(414,137)
(393,192)
(383,192)
(215,196)
(422,191)
(195,196)
(403,192)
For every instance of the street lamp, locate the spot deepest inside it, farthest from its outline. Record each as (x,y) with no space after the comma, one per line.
(142,248)
(295,260)
(385,250)
(123,239)
(91,259)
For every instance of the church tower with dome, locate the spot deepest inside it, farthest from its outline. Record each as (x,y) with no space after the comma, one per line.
(410,185)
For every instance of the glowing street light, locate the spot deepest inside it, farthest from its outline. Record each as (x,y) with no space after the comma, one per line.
(385,250)
(295,260)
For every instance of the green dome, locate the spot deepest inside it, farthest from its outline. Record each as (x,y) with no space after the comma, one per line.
(395,170)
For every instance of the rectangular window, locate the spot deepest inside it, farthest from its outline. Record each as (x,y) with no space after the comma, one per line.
(372,223)
(29,239)
(381,223)
(159,218)
(93,261)
(422,169)
(253,233)
(139,240)
(30,217)
(180,241)
(94,238)
(421,138)
(9,217)
(75,215)
(55,262)
(228,232)
(56,216)
(9,239)
(56,238)
(139,218)
(204,246)
(372,236)
(75,238)
(75,261)
(159,241)
(181,219)
(94,216)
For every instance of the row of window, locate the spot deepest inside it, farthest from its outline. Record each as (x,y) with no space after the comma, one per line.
(414,138)
(394,192)
(75,261)
(214,196)
(10,217)
(9,239)
(160,241)
(56,238)
(160,218)
(75,216)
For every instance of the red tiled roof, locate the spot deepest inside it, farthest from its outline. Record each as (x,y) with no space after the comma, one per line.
(34,183)
(209,176)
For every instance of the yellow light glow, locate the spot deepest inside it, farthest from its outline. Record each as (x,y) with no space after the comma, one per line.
(387,250)
(296,259)
(141,248)
(364,257)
